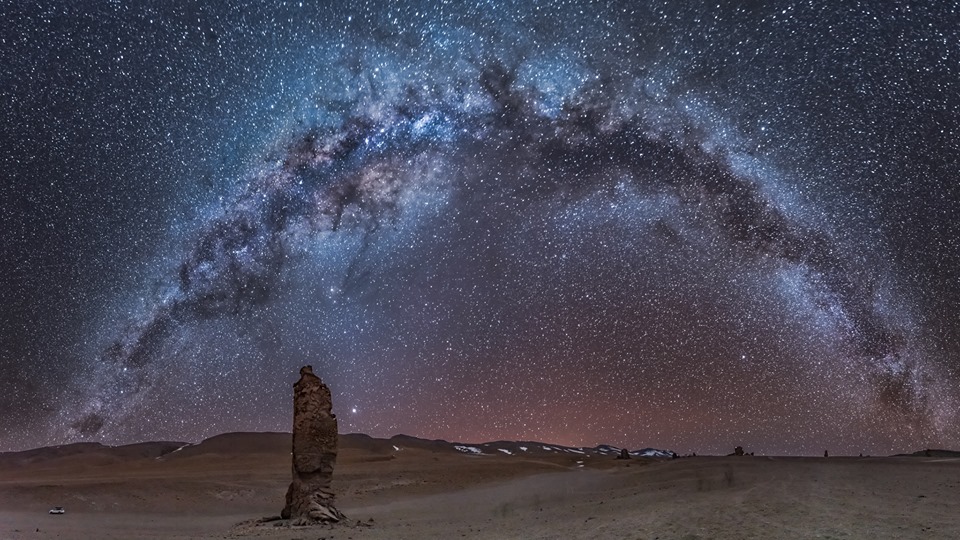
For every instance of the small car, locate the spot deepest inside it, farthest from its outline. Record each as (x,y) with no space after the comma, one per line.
(57,510)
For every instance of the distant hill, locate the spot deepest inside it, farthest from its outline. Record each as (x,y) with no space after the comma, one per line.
(89,449)
(932,453)
(280,443)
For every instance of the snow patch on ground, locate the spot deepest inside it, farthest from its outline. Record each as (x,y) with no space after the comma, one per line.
(652,452)
(173,452)
(467,449)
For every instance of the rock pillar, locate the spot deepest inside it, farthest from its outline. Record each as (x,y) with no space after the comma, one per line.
(309,497)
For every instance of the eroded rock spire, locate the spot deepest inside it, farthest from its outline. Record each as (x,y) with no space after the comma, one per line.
(309,497)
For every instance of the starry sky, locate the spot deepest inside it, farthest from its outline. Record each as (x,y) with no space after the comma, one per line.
(664,224)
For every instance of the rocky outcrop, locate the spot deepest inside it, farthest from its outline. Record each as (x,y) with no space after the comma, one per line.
(309,497)
(624,454)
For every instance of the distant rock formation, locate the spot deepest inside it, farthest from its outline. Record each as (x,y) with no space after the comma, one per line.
(738,451)
(309,498)
(624,454)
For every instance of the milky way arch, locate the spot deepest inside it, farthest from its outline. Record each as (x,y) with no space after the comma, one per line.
(355,175)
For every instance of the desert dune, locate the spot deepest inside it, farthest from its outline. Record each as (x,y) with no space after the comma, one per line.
(411,488)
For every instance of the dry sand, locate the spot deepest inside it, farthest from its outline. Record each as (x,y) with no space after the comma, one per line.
(431,491)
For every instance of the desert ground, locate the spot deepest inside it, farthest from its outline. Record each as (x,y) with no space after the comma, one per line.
(410,488)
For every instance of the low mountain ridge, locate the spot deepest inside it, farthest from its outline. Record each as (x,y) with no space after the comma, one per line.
(239,443)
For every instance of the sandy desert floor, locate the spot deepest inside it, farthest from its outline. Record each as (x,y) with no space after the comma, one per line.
(422,492)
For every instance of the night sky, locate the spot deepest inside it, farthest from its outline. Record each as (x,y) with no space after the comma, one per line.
(638,223)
